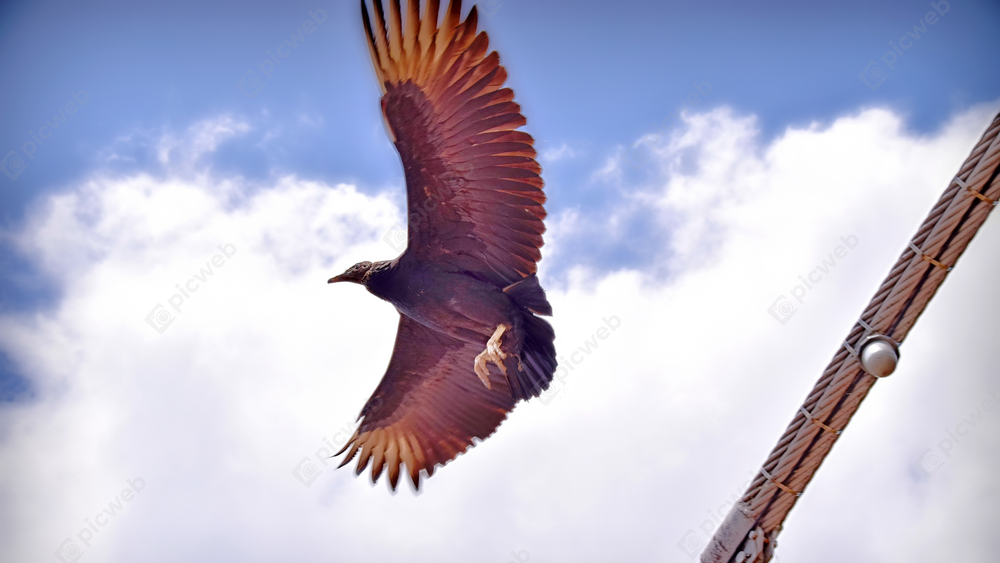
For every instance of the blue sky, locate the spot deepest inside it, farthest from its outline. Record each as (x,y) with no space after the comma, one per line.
(684,146)
(590,76)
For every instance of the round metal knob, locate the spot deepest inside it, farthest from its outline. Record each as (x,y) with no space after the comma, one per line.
(879,355)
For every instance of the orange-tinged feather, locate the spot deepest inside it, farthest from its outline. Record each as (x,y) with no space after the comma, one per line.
(410,37)
(429,26)
(392,458)
(378,452)
(396,35)
(448,26)
(388,66)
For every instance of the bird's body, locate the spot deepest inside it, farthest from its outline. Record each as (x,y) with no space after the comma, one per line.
(469,344)
(451,302)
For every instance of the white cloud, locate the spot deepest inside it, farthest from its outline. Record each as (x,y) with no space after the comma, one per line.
(201,138)
(161,149)
(641,441)
(554,154)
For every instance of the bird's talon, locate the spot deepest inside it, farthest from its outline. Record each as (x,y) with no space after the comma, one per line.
(482,372)
(492,353)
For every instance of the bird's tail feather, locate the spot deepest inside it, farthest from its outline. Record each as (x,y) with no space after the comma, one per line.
(538,354)
(528,293)
(533,373)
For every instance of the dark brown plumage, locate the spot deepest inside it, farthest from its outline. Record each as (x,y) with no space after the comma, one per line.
(469,343)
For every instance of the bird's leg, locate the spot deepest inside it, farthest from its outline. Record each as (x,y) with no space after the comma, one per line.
(492,353)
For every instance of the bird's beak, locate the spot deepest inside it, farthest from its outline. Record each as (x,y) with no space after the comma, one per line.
(336,279)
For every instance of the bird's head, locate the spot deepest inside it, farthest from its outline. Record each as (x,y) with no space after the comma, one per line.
(357,273)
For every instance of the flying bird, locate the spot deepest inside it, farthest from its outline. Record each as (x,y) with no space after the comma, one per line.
(469,344)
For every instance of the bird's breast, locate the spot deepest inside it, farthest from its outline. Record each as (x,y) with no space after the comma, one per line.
(452,303)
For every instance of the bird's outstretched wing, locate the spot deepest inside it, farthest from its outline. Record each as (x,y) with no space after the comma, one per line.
(428,407)
(473,187)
